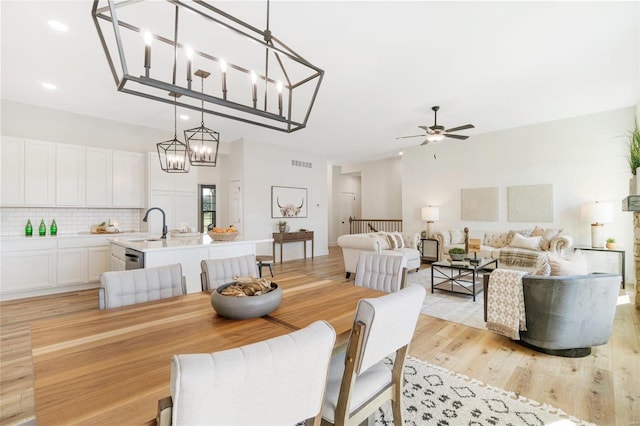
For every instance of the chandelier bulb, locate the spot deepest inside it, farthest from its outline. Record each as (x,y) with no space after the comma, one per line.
(188,51)
(147,36)
(223,65)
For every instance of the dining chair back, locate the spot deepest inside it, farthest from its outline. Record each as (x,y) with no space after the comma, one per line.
(122,288)
(216,272)
(280,381)
(381,271)
(359,380)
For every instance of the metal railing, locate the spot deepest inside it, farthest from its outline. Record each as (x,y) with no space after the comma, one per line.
(360,226)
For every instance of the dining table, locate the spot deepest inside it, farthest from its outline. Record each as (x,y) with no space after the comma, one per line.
(113,366)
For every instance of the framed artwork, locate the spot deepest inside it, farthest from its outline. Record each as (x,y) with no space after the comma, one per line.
(531,203)
(480,204)
(288,202)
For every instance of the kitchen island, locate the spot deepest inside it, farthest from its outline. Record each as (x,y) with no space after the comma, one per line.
(189,251)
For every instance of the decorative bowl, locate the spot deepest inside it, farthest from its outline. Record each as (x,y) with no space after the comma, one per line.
(222,236)
(457,256)
(247,306)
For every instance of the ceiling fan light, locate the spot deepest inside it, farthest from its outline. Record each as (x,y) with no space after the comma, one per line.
(435,138)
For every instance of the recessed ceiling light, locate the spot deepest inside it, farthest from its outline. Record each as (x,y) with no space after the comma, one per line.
(184,117)
(58,26)
(400,153)
(48,86)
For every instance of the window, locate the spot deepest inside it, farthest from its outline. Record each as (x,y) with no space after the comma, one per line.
(207,207)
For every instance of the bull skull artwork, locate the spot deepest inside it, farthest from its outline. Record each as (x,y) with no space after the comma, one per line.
(289,210)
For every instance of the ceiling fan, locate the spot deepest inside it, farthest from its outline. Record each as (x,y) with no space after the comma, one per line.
(437,133)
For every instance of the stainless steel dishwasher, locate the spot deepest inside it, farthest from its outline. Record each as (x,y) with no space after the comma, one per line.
(134,259)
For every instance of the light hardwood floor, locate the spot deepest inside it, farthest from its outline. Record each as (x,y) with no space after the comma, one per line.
(603,388)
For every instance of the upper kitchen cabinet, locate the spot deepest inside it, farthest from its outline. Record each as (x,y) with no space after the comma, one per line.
(12,163)
(70,175)
(160,180)
(129,170)
(28,172)
(99,177)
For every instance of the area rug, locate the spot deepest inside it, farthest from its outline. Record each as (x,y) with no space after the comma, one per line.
(436,396)
(448,306)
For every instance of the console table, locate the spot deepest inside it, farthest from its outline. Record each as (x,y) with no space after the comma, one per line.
(291,237)
(620,253)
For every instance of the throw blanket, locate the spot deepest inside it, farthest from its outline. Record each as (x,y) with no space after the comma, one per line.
(513,256)
(505,303)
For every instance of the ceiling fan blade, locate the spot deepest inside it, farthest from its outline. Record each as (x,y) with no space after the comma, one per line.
(425,128)
(405,137)
(455,129)
(457,136)
(426,141)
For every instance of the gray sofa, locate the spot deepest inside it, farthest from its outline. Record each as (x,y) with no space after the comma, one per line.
(566,315)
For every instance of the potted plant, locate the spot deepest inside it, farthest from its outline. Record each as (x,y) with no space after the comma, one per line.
(457,253)
(282,226)
(634,157)
(611,243)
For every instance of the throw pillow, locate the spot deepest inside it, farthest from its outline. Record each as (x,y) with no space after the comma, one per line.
(391,241)
(547,235)
(398,239)
(542,265)
(572,265)
(523,232)
(531,243)
(457,236)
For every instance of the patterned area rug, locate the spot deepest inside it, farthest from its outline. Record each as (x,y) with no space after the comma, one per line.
(452,307)
(436,396)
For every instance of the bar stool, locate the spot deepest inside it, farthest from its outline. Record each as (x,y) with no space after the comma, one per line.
(264,261)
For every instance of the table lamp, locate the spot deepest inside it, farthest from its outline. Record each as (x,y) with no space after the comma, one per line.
(430,214)
(597,214)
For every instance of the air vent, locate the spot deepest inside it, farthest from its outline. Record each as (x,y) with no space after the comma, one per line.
(298,163)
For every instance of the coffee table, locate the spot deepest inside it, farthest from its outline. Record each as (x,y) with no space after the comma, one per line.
(460,277)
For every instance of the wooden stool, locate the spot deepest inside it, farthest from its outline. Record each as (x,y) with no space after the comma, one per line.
(264,261)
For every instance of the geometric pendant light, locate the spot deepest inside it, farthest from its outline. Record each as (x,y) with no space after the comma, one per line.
(173,154)
(202,143)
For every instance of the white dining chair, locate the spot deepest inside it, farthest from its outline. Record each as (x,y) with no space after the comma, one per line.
(280,381)
(122,288)
(381,272)
(359,381)
(216,272)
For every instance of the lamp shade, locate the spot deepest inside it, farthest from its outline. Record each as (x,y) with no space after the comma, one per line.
(431,213)
(597,212)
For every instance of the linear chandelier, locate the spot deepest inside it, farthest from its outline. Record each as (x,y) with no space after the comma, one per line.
(152,46)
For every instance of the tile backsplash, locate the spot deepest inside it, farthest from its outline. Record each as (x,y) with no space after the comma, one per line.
(69,220)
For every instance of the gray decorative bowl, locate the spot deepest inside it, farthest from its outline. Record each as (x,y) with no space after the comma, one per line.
(457,256)
(248,306)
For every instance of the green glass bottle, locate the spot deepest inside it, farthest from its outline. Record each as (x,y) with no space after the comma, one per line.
(28,230)
(42,230)
(53,230)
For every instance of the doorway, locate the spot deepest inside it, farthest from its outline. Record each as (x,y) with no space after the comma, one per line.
(347,210)
(206,207)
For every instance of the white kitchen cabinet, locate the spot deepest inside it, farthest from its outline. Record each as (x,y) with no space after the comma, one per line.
(70,175)
(72,266)
(39,173)
(117,257)
(129,171)
(185,208)
(28,264)
(99,177)
(165,201)
(12,163)
(160,180)
(98,261)
(28,172)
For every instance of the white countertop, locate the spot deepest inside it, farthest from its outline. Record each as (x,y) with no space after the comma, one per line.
(155,243)
(35,236)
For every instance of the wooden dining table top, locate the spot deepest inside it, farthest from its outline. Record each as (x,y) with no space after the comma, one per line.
(112,366)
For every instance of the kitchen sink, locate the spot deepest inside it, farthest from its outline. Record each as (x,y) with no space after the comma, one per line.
(144,240)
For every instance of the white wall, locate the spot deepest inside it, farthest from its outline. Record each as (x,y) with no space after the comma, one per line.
(267,165)
(342,183)
(582,157)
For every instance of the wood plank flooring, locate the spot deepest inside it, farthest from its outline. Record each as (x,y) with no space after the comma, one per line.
(603,388)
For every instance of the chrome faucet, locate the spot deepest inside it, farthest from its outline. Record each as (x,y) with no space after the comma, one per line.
(164,220)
